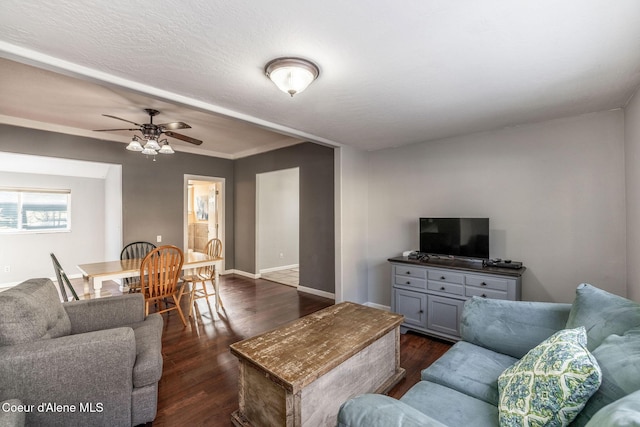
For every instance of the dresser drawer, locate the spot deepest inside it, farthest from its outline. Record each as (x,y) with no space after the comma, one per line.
(449,288)
(484,282)
(445,276)
(485,293)
(410,282)
(417,272)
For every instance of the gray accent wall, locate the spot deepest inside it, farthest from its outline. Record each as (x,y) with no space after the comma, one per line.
(317,222)
(152,192)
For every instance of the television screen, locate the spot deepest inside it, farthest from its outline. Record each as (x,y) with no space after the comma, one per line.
(458,237)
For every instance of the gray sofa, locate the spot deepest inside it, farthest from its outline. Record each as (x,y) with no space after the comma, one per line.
(461,388)
(82,363)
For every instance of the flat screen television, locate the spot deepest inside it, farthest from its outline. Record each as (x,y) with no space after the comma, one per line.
(458,237)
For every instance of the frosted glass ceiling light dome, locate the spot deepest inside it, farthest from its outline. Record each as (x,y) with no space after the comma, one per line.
(135,145)
(291,75)
(166,148)
(152,144)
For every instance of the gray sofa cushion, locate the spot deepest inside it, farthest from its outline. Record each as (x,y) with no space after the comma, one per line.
(476,370)
(148,366)
(449,406)
(602,314)
(32,311)
(12,413)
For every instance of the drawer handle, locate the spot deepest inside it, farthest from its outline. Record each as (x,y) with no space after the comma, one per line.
(421,311)
(483,295)
(442,278)
(408,272)
(442,288)
(408,282)
(483,284)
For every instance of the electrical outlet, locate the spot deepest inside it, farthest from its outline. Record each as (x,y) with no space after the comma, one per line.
(158,238)
(7,269)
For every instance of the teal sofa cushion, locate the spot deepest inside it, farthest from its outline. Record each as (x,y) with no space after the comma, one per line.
(619,360)
(377,410)
(621,413)
(449,406)
(476,370)
(551,384)
(602,314)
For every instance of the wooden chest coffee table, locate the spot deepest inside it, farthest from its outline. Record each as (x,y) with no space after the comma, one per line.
(299,374)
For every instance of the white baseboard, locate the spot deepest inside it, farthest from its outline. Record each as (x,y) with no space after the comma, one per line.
(311,291)
(379,306)
(317,292)
(283,267)
(243,273)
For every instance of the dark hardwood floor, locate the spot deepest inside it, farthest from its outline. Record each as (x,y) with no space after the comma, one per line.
(199,385)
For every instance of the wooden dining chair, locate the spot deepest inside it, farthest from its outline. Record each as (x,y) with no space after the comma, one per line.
(203,275)
(159,274)
(132,251)
(63,281)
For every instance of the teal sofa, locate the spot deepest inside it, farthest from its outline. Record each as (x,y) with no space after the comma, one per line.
(461,388)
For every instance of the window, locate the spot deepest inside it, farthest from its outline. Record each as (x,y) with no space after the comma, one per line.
(34,210)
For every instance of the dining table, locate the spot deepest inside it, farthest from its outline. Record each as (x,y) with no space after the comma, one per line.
(95,274)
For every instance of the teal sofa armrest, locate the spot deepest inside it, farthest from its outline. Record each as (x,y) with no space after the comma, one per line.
(377,410)
(511,327)
(105,313)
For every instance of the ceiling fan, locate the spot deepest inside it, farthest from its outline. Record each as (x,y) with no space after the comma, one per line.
(152,131)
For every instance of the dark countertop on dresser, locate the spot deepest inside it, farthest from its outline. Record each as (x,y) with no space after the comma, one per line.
(461,264)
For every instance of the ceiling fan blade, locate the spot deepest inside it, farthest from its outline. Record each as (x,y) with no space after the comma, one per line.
(183,137)
(118,118)
(109,130)
(174,125)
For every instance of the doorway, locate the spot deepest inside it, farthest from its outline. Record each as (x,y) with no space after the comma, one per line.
(204,212)
(277,226)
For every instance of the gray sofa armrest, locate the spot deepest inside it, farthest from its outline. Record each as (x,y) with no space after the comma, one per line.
(511,327)
(11,413)
(377,410)
(86,369)
(105,313)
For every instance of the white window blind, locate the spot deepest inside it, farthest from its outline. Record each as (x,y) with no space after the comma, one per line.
(27,209)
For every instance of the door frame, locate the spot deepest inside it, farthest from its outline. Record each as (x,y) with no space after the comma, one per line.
(222,211)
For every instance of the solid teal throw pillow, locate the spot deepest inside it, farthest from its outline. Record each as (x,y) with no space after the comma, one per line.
(619,360)
(602,314)
(621,413)
(550,385)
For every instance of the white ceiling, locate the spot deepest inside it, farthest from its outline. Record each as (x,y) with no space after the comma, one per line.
(391,73)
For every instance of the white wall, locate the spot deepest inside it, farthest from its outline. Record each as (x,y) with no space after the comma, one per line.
(278,205)
(351,225)
(632,169)
(554,193)
(28,253)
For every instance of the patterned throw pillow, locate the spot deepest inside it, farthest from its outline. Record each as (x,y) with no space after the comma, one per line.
(550,385)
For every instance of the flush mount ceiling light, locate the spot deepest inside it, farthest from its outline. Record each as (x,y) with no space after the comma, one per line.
(291,75)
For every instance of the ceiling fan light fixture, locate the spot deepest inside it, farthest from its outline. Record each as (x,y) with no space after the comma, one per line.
(292,75)
(151,133)
(152,144)
(166,148)
(135,145)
